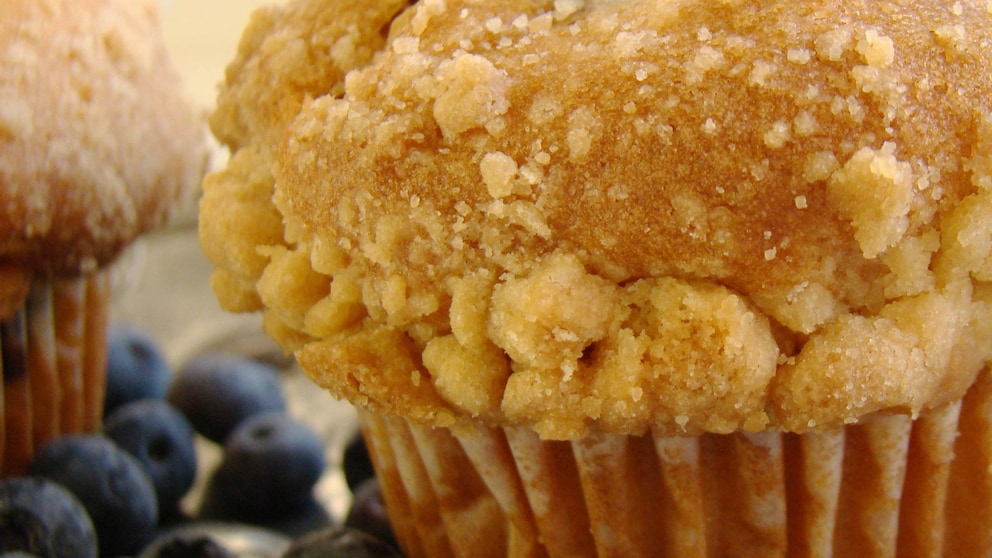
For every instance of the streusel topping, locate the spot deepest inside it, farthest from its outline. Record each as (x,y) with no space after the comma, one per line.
(686,216)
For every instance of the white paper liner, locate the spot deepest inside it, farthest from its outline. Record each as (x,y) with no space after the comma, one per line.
(888,487)
(54,366)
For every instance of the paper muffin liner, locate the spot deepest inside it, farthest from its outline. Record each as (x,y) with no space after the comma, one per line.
(890,486)
(54,366)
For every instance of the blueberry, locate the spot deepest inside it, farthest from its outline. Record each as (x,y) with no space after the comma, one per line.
(356,462)
(368,512)
(270,465)
(111,484)
(160,438)
(136,367)
(340,542)
(39,517)
(217,391)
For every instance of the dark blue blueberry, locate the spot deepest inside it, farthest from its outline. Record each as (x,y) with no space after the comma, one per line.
(356,462)
(39,517)
(217,391)
(368,512)
(340,542)
(160,438)
(136,367)
(270,465)
(111,484)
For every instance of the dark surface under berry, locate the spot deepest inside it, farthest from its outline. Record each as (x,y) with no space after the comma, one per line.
(340,542)
(193,546)
(368,512)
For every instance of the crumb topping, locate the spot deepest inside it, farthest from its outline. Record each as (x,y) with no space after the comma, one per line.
(97,142)
(572,215)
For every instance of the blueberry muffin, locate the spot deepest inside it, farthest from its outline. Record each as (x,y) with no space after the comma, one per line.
(689,278)
(97,146)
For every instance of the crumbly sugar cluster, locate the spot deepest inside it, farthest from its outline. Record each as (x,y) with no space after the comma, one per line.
(688,216)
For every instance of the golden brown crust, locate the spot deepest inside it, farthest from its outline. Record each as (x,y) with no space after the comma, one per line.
(288,54)
(97,143)
(702,216)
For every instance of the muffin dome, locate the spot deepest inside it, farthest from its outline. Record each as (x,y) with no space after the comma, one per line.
(697,217)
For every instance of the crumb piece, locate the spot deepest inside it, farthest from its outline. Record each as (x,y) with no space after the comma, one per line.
(527,311)
(544,108)
(805,124)
(819,166)
(832,44)
(541,23)
(876,49)
(406,45)
(909,265)
(493,25)
(709,127)
(289,287)
(565,8)
(471,94)
(498,170)
(584,128)
(980,163)
(471,378)
(779,134)
(799,55)
(394,295)
(874,190)
(803,307)
(953,38)
(707,59)
(760,72)
(966,250)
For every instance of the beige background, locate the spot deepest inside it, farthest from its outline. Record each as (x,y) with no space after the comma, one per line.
(203,36)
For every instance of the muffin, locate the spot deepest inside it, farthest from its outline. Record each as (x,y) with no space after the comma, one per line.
(694,278)
(97,146)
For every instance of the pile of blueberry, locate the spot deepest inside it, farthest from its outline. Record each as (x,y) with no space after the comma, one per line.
(118,493)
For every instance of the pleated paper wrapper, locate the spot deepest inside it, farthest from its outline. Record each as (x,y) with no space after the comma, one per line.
(54,353)
(890,486)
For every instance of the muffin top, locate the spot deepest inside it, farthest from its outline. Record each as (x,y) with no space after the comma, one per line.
(693,216)
(97,142)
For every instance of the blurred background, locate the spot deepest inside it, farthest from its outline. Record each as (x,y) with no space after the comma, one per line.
(203,36)
(164,277)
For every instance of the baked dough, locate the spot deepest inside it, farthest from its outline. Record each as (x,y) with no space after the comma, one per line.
(691,216)
(97,142)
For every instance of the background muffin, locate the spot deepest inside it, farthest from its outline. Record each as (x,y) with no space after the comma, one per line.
(97,146)
(738,250)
